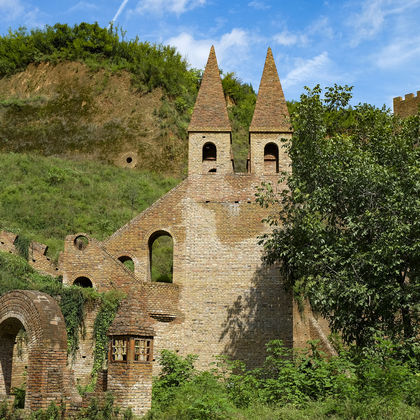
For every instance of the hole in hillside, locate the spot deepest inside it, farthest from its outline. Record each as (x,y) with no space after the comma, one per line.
(129,159)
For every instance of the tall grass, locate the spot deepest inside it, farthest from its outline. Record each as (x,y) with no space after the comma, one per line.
(46,198)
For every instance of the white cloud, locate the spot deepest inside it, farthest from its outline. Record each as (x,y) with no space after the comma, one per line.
(322,27)
(288,39)
(259,5)
(15,10)
(173,6)
(11,9)
(371,19)
(230,47)
(399,52)
(313,70)
(82,6)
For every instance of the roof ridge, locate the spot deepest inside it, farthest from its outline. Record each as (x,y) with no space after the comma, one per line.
(271,113)
(210,112)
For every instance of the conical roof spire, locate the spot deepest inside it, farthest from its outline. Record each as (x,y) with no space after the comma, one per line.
(271,114)
(210,113)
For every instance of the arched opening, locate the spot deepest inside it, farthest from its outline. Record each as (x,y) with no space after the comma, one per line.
(271,158)
(83,282)
(37,315)
(209,151)
(13,361)
(127,261)
(81,242)
(161,250)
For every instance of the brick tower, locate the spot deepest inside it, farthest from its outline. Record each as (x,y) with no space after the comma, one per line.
(270,124)
(209,130)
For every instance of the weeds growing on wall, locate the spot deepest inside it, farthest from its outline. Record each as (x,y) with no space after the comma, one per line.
(107,311)
(16,273)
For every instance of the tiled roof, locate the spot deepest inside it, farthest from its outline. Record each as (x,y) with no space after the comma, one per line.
(271,114)
(131,319)
(210,113)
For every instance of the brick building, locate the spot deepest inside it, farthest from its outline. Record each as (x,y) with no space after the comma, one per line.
(222,299)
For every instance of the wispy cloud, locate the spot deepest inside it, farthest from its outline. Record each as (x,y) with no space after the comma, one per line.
(288,39)
(11,9)
(16,11)
(82,6)
(172,6)
(231,46)
(371,19)
(308,71)
(259,5)
(398,53)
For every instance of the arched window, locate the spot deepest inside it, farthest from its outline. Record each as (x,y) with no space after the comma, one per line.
(82,282)
(127,261)
(13,360)
(161,250)
(271,158)
(209,151)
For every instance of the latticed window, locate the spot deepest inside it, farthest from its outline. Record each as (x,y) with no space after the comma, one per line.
(119,349)
(142,350)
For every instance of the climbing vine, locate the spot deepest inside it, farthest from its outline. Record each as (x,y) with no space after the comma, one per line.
(72,304)
(106,315)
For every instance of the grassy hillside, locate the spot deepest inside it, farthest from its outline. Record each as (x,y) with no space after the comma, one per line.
(85,91)
(46,198)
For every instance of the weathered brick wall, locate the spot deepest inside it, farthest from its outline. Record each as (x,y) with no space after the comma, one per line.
(228,303)
(93,262)
(257,144)
(81,365)
(40,316)
(20,361)
(7,241)
(223,164)
(131,385)
(37,257)
(39,260)
(407,106)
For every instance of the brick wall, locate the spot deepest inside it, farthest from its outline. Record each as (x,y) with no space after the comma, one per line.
(407,106)
(47,376)
(223,164)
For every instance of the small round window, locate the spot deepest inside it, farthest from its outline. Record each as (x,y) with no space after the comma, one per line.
(81,242)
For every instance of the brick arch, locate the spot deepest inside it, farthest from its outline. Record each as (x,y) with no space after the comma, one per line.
(43,321)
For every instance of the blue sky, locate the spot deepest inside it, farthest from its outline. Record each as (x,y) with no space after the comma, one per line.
(373,45)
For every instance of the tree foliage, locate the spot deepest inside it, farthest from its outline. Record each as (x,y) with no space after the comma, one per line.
(348,229)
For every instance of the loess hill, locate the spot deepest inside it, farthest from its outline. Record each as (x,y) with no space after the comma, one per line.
(84,92)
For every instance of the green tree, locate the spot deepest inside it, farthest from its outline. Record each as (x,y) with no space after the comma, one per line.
(347,232)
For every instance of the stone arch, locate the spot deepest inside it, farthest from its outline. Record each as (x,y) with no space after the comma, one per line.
(127,261)
(168,255)
(41,317)
(209,151)
(271,158)
(83,281)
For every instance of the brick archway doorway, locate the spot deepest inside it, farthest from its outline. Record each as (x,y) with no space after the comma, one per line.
(40,316)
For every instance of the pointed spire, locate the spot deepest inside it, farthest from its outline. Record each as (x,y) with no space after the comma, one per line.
(271,112)
(210,113)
